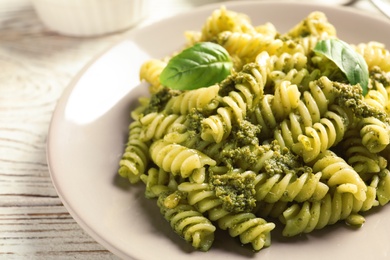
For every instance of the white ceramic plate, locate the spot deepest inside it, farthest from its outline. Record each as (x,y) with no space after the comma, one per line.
(89,129)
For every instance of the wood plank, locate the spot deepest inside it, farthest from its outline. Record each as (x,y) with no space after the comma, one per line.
(37,65)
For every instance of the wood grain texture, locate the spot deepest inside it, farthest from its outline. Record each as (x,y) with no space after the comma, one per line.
(36,66)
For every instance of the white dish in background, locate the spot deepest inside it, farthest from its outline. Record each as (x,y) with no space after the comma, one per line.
(85,18)
(89,128)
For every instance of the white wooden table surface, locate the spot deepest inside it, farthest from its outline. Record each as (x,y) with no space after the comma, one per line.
(36,65)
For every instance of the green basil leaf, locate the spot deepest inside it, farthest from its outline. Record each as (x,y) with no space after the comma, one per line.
(198,66)
(351,63)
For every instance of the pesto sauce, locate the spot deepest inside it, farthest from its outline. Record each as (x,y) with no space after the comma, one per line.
(286,162)
(350,96)
(236,190)
(159,100)
(378,75)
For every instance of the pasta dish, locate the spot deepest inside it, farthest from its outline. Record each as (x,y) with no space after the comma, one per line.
(247,128)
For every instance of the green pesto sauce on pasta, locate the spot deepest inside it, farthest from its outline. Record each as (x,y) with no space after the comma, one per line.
(350,96)
(236,190)
(285,136)
(159,100)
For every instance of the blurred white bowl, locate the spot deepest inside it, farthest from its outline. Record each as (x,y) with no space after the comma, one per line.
(90,17)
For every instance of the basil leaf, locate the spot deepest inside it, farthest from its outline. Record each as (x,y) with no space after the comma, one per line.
(351,63)
(198,66)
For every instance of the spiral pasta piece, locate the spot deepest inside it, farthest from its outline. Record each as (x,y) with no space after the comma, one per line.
(287,61)
(264,116)
(225,20)
(316,100)
(304,218)
(375,54)
(150,72)
(217,128)
(136,155)
(237,104)
(179,159)
(383,189)
(339,174)
(252,157)
(202,99)
(158,181)
(273,109)
(310,109)
(248,87)
(315,24)
(271,210)
(248,84)
(288,131)
(156,125)
(211,149)
(311,121)
(321,136)
(308,42)
(296,77)
(242,100)
(290,187)
(179,136)
(360,158)
(378,97)
(268,29)
(187,221)
(248,227)
(286,99)
(375,134)
(204,199)
(246,47)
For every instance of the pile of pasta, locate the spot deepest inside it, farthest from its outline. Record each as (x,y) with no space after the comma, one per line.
(284,139)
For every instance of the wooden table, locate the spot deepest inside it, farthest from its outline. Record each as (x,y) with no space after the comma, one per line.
(36,65)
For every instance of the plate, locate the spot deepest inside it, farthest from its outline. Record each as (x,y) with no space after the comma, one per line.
(89,128)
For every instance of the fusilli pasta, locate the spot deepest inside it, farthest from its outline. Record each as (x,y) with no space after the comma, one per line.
(284,136)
